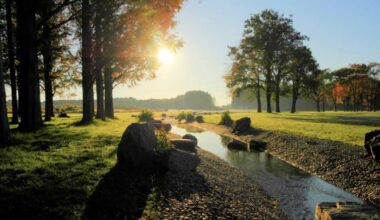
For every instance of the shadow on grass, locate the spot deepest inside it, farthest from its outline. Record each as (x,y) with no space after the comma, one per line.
(347,120)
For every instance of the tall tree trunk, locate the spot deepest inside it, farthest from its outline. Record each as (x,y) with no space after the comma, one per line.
(108,92)
(99,64)
(86,64)
(294,97)
(277,92)
(48,66)
(4,126)
(268,89)
(31,119)
(258,96)
(323,104)
(11,59)
(317,102)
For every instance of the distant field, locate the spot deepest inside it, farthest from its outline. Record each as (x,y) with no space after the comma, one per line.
(346,127)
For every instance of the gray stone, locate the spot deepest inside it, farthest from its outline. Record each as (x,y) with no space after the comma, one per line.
(182,161)
(191,137)
(368,139)
(136,147)
(237,145)
(242,125)
(184,144)
(257,145)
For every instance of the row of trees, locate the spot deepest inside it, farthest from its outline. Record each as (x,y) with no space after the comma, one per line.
(273,58)
(54,44)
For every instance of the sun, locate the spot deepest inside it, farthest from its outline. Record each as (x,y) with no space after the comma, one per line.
(165,56)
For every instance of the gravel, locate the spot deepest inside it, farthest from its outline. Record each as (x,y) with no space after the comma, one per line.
(215,191)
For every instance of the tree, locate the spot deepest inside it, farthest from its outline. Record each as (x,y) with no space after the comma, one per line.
(87,83)
(30,107)
(265,48)
(317,85)
(302,65)
(4,127)
(99,10)
(11,61)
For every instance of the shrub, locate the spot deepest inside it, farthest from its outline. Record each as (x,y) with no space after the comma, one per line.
(145,115)
(181,116)
(199,119)
(226,119)
(189,118)
(163,141)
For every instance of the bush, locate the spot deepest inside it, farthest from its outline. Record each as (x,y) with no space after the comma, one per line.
(226,119)
(189,118)
(163,141)
(199,119)
(145,115)
(181,116)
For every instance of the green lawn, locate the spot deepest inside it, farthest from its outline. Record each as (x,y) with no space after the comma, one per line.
(55,183)
(346,127)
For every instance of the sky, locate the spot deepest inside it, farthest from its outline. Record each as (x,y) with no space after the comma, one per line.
(341,32)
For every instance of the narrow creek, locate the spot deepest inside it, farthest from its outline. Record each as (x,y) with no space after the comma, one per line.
(297,191)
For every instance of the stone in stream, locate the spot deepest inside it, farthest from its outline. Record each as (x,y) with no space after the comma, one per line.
(136,148)
(344,210)
(257,145)
(237,145)
(184,144)
(242,125)
(190,137)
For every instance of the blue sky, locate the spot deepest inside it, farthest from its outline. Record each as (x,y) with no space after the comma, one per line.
(341,32)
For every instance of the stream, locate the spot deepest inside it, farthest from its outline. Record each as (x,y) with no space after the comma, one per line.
(298,192)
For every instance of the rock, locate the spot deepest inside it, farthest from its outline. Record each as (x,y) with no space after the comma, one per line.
(257,145)
(237,145)
(191,137)
(375,149)
(242,125)
(182,161)
(167,127)
(184,144)
(368,138)
(344,210)
(63,115)
(136,147)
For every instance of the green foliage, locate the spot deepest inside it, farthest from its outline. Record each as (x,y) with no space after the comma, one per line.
(226,119)
(145,115)
(181,116)
(163,141)
(189,117)
(199,119)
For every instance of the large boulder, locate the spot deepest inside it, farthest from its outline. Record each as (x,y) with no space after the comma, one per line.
(242,125)
(182,161)
(184,144)
(191,137)
(368,138)
(374,146)
(136,147)
(237,145)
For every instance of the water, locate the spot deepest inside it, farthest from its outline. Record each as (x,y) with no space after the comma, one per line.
(297,191)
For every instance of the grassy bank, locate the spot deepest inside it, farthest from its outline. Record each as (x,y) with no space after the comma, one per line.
(51,173)
(346,127)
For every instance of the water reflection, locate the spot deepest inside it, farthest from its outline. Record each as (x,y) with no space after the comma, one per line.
(298,192)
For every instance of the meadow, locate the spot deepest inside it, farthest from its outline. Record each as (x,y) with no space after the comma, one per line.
(53,172)
(345,127)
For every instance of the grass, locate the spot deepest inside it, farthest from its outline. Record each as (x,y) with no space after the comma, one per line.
(52,173)
(346,127)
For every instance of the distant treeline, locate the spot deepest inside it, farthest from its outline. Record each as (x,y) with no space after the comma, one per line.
(190,100)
